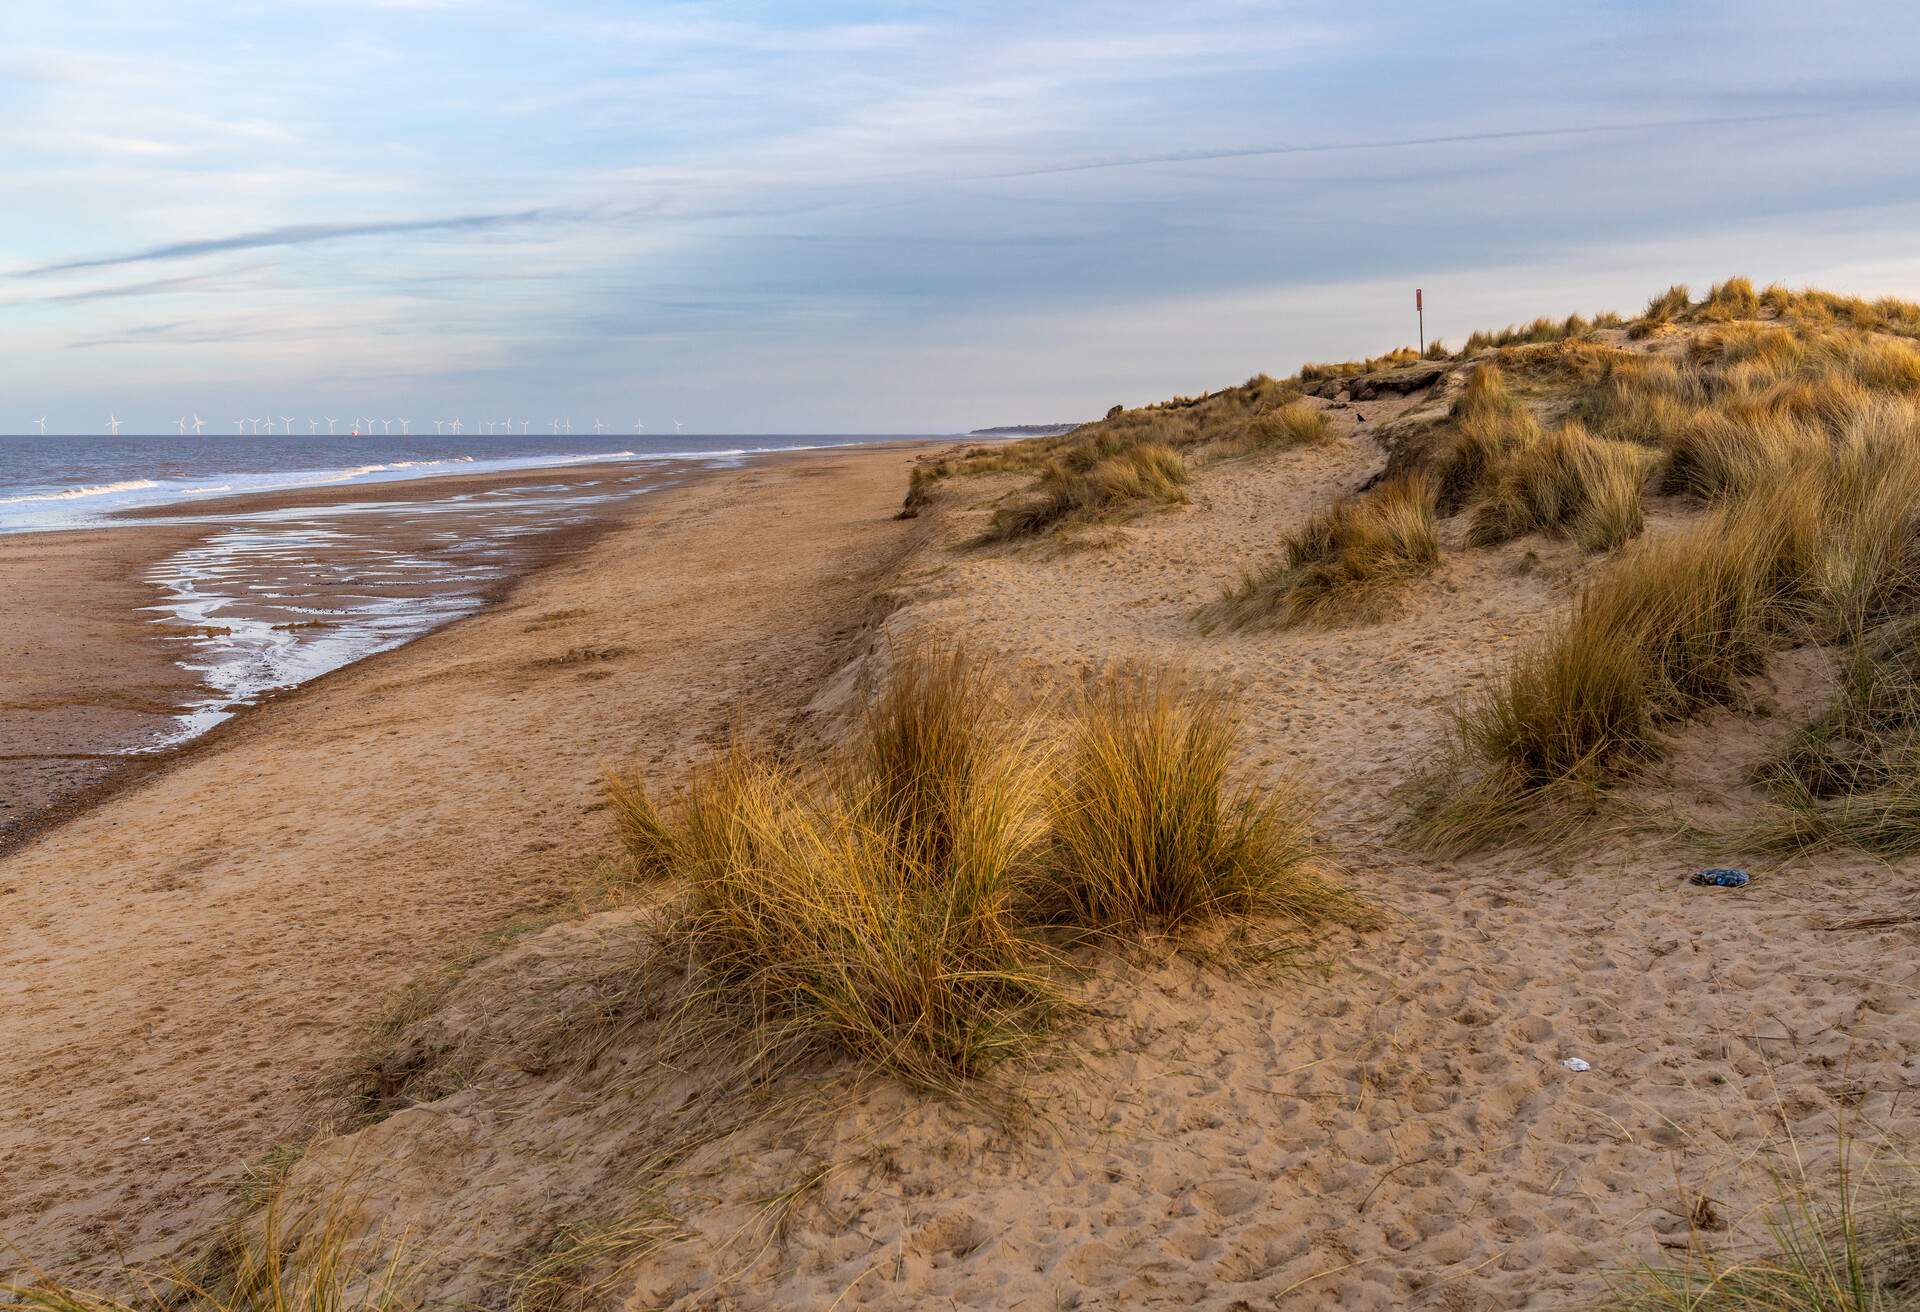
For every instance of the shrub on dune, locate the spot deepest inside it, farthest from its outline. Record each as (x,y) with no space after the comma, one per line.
(1144,473)
(1670,628)
(897,903)
(1565,481)
(1341,563)
(871,907)
(1150,830)
(1292,425)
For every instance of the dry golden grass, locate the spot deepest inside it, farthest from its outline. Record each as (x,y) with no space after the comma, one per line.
(897,903)
(1671,304)
(1843,1241)
(1564,482)
(1313,373)
(1134,476)
(310,1261)
(1671,627)
(1540,330)
(1292,425)
(871,910)
(1342,565)
(1732,299)
(1815,536)
(1149,829)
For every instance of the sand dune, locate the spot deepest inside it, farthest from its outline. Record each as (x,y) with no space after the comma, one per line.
(1386,1120)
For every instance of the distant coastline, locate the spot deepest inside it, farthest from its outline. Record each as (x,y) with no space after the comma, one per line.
(1025,430)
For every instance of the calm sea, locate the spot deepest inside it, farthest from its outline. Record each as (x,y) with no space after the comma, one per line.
(70,482)
(266,599)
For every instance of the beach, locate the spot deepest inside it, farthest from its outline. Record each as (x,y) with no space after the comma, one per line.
(125,642)
(186,958)
(379,925)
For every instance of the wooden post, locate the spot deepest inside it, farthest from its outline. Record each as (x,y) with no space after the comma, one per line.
(1420,310)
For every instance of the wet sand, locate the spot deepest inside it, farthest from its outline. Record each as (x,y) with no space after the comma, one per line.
(94,678)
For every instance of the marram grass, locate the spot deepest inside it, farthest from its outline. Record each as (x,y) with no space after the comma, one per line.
(904,902)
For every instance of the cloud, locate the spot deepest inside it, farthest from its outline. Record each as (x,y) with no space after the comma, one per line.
(298,234)
(1449,139)
(153,287)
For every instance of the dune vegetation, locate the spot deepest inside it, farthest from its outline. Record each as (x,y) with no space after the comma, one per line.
(1341,565)
(1798,443)
(1129,462)
(309,1260)
(905,901)
(1847,1240)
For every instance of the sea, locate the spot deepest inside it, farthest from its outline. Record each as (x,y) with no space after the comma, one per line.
(266,599)
(75,482)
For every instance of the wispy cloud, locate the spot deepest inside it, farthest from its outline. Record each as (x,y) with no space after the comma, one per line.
(152,287)
(1446,139)
(886,209)
(300,234)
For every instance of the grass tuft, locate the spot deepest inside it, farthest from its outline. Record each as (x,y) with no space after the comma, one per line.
(1139,475)
(1850,1243)
(1670,628)
(1564,482)
(1293,425)
(1149,829)
(311,1261)
(1342,564)
(897,903)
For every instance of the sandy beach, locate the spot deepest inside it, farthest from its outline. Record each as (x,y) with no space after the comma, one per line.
(1390,1120)
(95,669)
(185,959)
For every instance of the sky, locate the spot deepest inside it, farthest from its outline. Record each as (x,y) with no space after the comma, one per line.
(911,217)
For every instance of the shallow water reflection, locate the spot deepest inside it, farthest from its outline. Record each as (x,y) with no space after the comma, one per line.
(274,598)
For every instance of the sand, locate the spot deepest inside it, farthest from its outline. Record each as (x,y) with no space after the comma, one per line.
(81,679)
(92,673)
(183,961)
(1389,1123)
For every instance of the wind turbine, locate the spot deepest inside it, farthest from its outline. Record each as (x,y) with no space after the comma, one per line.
(439,425)
(639,427)
(313,426)
(599,427)
(181,424)
(406,428)
(289,419)
(198,424)
(330,423)
(459,427)
(569,423)
(555,426)
(268,421)
(239,426)
(677,425)
(523,428)
(113,424)
(42,421)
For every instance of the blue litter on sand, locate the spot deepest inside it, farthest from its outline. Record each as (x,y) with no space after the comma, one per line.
(1722,877)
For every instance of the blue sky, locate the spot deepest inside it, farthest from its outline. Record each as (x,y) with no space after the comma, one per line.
(813,217)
